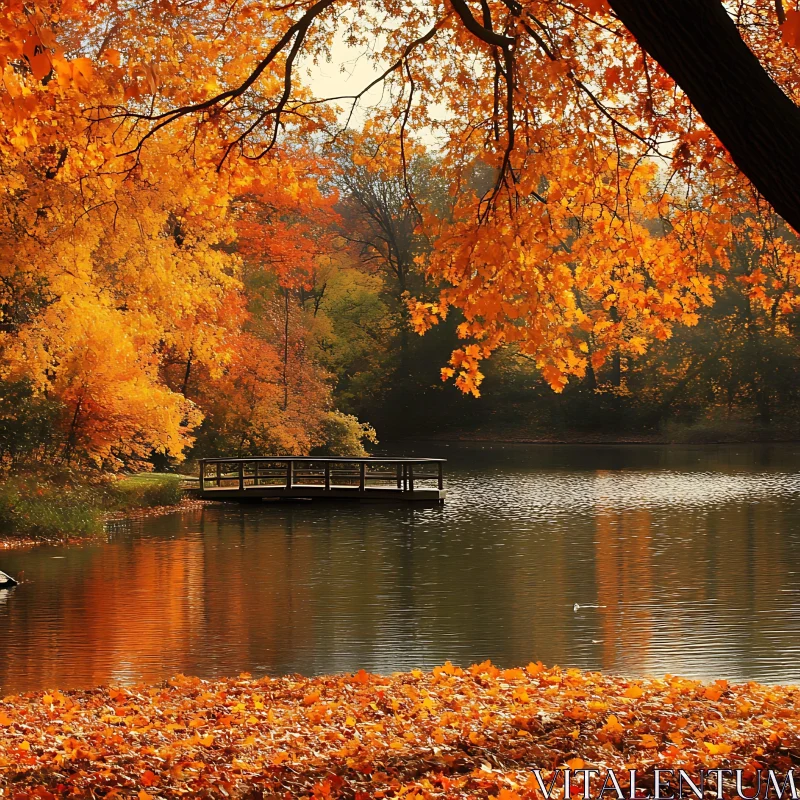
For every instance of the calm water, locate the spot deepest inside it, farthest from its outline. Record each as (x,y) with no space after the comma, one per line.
(682,560)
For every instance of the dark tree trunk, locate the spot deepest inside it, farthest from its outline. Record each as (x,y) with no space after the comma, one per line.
(186,374)
(286,351)
(616,369)
(590,381)
(698,44)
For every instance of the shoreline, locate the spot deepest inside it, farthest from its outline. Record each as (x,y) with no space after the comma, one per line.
(186,504)
(588,441)
(449,733)
(12,542)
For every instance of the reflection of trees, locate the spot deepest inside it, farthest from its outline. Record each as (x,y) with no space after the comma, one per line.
(316,589)
(623,566)
(127,616)
(703,590)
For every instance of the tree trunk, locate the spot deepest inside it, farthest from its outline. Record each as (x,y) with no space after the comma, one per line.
(616,369)
(72,435)
(186,374)
(286,352)
(698,44)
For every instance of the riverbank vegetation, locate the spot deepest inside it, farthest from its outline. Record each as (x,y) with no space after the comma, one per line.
(452,732)
(57,504)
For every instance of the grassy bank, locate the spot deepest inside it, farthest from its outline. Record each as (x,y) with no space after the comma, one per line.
(59,505)
(448,733)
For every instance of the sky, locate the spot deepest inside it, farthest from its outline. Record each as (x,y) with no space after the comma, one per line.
(348,72)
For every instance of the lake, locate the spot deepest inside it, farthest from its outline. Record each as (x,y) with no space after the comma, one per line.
(631,559)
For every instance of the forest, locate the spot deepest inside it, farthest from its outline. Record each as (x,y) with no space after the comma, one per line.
(255,276)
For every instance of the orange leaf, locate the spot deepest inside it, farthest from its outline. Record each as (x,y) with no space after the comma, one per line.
(790,30)
(149,778)
(649,741)
(717,749)
(40,65)
(598,6)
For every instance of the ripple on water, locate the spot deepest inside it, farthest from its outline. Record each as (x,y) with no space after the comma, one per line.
(642,560)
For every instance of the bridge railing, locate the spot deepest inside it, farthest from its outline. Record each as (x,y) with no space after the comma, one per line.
(402,474)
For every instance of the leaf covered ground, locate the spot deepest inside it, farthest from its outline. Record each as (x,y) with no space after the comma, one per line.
(476,732)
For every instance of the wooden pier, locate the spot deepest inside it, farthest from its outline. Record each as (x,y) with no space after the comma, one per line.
(309,478)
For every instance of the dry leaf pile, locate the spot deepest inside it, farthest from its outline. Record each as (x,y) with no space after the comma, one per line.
(475,732)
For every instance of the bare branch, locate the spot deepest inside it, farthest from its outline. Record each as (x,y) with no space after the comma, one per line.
(478,30)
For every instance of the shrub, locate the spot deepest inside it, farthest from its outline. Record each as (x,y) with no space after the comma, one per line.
(28,423)
(345,435)
(712,428)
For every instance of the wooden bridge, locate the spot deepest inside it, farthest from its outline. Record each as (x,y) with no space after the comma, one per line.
(309,478)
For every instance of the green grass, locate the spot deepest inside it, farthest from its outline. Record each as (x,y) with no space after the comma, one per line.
(148,489)
(47,509)
(56,504)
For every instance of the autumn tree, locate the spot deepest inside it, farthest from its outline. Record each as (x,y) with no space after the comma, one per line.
(121,288)
(742,360)
(382,189)
(517,85)
(612,202)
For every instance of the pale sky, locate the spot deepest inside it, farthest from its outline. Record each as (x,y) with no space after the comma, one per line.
(349,71)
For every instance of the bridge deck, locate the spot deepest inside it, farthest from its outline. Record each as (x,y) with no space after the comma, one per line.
(296,478)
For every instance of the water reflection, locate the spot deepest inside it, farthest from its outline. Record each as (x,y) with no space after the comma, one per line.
(680,561)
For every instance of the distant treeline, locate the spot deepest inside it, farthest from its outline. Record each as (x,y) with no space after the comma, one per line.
(297,337)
